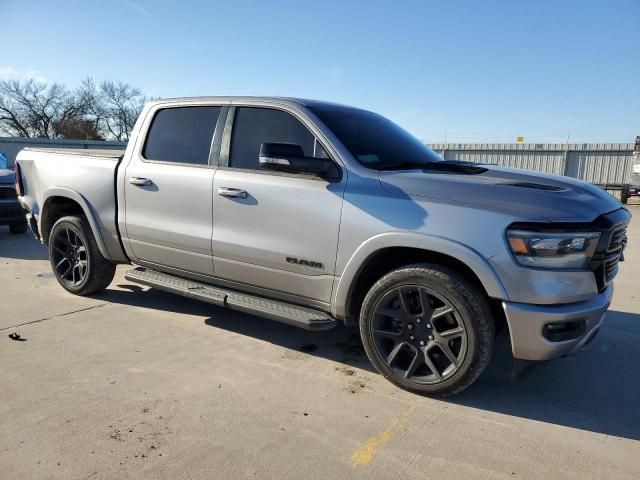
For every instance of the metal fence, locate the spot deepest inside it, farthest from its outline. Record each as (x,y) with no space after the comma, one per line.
(599,163)
(10,146)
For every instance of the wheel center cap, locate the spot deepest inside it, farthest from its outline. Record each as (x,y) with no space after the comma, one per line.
(420,332)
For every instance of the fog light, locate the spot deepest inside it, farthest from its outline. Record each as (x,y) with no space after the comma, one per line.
(561,331)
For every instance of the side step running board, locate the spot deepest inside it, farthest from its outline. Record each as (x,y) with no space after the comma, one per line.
(295,315)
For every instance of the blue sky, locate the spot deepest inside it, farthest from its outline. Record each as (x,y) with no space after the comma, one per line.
(474,70)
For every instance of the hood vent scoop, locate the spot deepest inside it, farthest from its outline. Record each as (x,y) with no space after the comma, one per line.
(453,166)
(536,186)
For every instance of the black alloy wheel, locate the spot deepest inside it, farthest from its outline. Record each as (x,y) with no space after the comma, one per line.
(75,257)
(69,256)
(427,328)
(419,334)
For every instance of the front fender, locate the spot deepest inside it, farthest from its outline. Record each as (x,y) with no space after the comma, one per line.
(64,192)
(463,253)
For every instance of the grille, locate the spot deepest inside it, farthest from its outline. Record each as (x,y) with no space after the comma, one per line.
(7,193)
(618,239)
(614,252)
(611,266)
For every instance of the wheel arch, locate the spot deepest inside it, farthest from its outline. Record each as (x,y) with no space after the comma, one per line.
(60,202)
(383,253)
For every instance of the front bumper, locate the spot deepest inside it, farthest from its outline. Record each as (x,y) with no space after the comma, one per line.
(528,326)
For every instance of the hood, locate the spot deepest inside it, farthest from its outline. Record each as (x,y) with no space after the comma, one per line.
(6,176)
(521,192)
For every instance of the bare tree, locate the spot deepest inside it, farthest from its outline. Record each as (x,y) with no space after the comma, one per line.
(79,128)
(88,95)
(14,118)
(33,109)
(122,104)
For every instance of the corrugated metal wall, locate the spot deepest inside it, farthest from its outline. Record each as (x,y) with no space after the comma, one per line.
(593,162)
(603,166)
(10,146)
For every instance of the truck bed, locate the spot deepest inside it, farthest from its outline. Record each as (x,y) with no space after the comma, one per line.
(88,176)
(112,154)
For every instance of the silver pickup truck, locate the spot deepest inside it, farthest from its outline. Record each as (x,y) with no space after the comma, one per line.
(312,213)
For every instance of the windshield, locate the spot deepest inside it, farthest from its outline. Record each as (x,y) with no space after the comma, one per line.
(375,141)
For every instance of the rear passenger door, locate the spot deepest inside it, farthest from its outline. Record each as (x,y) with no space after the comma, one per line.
(168,189)
(282,237)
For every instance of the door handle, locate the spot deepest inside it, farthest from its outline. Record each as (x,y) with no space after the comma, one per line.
(232,192)
(140,182)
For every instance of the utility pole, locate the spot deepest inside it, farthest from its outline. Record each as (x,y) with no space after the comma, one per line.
(567,168)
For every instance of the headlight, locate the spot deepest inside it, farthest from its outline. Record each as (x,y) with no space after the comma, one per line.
(552,250)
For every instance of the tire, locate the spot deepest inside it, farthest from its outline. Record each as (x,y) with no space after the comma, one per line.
(439,350)
(73,246)
(18,228)
(624,198)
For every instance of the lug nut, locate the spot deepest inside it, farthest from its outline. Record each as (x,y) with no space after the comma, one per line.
(418,320)
(422,342)
(428,325)
(412,337)
(410,327)
(430,337)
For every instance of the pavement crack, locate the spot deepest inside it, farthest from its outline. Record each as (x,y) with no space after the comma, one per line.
(54,316)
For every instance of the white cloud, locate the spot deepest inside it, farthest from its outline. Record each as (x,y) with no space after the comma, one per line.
(140,9)
(10,73)
(36,75)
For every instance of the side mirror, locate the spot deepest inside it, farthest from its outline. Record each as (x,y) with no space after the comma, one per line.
(288,157)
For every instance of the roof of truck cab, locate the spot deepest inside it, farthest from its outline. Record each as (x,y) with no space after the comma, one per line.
(292,100)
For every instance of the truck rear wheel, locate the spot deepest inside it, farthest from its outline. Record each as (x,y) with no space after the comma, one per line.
(75,258)
(427,330)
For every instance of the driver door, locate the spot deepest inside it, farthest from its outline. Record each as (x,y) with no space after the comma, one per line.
(281,233)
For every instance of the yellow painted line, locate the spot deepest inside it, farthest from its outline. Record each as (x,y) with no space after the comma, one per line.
(363,455)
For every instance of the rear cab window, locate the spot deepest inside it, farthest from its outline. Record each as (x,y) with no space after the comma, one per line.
(181,135)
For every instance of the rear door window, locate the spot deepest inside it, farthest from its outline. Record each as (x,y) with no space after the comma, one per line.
(182,135)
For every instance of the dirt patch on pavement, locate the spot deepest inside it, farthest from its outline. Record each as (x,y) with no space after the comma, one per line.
(357,383)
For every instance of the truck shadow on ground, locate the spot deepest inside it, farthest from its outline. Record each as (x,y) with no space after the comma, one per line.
(341,344)
(22,246)
(596,390)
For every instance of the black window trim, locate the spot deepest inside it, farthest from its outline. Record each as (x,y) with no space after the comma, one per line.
(216,139)
(225,149)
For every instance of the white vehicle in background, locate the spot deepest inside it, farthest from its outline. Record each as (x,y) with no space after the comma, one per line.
(634,188)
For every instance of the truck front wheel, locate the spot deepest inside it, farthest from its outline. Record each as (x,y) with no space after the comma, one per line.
(75,258)
(427,330)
